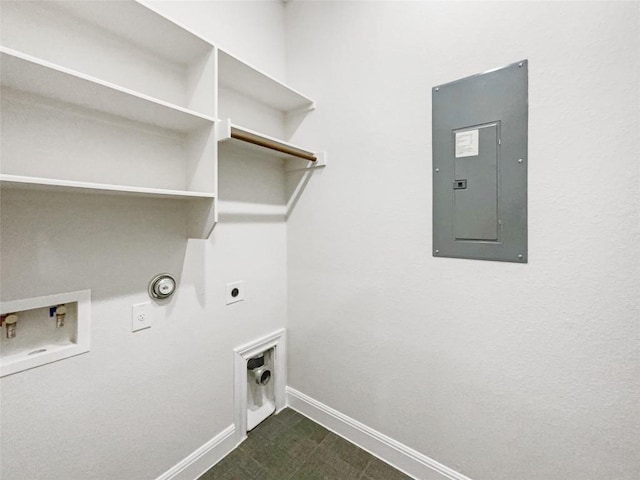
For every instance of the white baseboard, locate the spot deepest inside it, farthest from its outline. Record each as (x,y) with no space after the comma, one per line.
(204,457)
(403,458)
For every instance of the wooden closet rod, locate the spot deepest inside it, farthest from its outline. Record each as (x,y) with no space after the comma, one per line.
(266,143)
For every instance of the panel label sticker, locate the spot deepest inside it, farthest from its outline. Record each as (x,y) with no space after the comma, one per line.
(467,143)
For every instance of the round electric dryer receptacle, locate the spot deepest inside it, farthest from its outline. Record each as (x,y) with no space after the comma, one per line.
(162,286)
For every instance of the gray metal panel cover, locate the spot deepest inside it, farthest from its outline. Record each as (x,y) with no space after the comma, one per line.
(480,166)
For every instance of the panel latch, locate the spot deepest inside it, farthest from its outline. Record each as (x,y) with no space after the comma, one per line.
(460,184)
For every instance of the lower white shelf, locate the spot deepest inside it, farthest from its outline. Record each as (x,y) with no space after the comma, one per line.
(202,213)
(39,183)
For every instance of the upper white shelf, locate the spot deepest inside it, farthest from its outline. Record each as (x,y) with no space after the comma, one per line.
(238,76)
(139,24)
(26,73)
(38,183)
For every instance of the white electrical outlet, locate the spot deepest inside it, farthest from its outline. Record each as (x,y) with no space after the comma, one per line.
(140,316)
(235,292)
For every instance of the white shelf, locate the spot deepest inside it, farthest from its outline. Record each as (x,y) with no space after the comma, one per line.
(240,77)
(38,77)
(99,56)
(37,183)
(202,215)
(139,24)
(245,138)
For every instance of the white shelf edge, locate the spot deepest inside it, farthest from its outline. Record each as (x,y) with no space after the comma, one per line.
(230,208)
(227,128)
(7,180)
(176,117)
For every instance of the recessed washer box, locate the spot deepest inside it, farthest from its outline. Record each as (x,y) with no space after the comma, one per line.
(41,337)
(480,166)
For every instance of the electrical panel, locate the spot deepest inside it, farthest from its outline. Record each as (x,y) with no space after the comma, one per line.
(480,166)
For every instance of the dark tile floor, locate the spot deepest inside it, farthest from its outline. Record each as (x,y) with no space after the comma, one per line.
(289,446)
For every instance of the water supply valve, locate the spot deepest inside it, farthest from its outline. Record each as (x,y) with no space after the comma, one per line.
(61,312)
(10,322)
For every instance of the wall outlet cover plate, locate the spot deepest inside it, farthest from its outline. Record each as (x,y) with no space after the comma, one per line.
(140,316)
(235,292)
